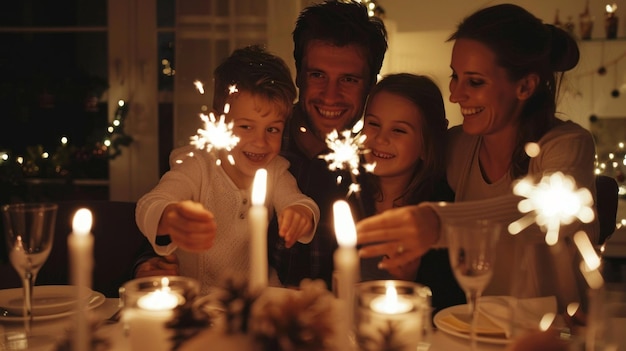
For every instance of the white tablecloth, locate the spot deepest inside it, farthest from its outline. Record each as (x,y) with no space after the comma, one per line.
(114,332)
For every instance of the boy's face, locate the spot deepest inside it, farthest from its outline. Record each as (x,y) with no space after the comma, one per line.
(259,125)
(334,83)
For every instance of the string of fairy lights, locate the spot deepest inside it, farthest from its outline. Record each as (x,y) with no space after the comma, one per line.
(38,162)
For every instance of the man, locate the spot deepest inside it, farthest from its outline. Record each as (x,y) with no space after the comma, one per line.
(338,50)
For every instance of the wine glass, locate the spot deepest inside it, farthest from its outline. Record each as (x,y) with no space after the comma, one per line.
(472,252)
(29,231)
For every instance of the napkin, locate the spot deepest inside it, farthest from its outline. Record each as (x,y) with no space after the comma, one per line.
(495,313)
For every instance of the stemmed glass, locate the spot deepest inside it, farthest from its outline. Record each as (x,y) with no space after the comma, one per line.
(472,252)
(29,231)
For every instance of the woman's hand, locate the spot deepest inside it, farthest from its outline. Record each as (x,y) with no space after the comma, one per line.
(403,234)
(190,226)
(293,223)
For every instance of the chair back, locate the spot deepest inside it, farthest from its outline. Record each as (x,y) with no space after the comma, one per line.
(606,205)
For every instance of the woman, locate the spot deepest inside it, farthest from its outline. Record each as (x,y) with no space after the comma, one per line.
(405,125)
(506,66)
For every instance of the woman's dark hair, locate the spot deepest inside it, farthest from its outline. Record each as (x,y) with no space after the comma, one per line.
(341,23)
(426,96)
(523,44)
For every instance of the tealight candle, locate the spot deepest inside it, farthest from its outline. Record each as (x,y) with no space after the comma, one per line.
(146,318)
(390,303)
(257,217)
(399,314)
(80,247)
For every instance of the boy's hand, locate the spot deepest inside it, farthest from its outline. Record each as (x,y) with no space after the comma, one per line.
(293,223)
(190,226)
(155,266)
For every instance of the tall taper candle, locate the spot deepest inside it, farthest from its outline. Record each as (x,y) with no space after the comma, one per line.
(257,217)
(346,260)
(80,246)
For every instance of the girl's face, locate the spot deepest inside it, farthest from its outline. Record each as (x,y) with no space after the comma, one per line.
(259,126)
(489,100)
(393,126)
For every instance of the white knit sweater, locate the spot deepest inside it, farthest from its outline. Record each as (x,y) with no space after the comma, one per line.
(198,178)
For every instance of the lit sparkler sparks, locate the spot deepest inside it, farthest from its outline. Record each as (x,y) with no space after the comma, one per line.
(345,155)
(555,200)
(216,134)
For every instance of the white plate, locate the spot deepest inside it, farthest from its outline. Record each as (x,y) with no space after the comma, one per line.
(463,310)
(49,301)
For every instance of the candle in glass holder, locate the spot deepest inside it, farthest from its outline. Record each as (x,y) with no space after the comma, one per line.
(392,314)
(257,218)
(80,247)
(148,307)
(390,303)
(611,21)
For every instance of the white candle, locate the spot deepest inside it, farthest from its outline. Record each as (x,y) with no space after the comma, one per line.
(390,303)
(146,321)
(346,261)
(257,222)
(80,246)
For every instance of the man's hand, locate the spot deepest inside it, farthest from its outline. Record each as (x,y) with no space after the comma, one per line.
(155,266)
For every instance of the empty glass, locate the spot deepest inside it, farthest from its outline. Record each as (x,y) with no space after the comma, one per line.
(29,231)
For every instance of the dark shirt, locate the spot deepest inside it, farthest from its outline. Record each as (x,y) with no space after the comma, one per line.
(313,260)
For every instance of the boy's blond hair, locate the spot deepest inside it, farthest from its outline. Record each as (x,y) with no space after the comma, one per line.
(258,72)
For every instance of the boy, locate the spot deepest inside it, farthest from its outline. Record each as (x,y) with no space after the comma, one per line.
(203,206)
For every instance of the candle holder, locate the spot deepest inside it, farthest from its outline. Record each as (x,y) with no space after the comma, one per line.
(392,315)
(611,22)
(148,305)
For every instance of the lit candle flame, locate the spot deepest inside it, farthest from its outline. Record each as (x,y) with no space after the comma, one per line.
(390,303)
(81,224)
(344,224)
(161,299)
(611,8)
(259,187)
(552,202)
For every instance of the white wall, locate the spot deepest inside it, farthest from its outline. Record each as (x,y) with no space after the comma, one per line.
(418,36)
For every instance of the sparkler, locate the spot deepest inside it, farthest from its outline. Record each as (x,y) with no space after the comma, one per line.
(555,200)
(345,155)
(216,134)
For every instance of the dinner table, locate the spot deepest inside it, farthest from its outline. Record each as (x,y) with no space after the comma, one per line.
(113,331)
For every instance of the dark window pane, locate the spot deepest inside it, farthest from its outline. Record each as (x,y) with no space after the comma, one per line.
(166,13)
(57,13)
(166,65)
(52,87)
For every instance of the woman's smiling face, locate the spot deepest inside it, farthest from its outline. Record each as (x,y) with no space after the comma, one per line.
(488,98)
